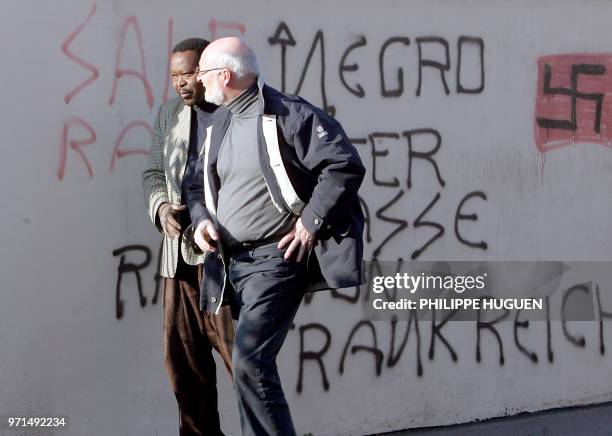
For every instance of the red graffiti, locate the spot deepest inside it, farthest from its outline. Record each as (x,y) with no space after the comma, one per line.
(78,60)
(214,26)
(119,153)
(120,72)
(77,132)
(574,100)
(75,145)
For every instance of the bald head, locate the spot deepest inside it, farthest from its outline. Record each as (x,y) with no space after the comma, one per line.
(232,53)
(227,67)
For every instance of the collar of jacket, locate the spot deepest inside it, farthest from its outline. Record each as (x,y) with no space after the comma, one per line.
(260,99)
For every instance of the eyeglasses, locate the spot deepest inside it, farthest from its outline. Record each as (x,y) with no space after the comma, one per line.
(200,73)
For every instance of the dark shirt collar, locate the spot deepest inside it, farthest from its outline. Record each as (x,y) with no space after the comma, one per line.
(246,103)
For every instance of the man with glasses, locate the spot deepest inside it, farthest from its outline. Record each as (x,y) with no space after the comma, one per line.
(189,336)
(274,201)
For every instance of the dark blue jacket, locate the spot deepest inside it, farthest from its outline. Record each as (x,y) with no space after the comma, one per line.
(325,172)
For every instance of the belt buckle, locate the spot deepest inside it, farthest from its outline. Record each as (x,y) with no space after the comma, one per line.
(250,245)
(239,248)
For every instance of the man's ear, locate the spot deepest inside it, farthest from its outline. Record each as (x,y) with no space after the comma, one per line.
(227,77)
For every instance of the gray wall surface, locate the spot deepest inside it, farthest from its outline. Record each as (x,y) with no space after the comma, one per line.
(446,102)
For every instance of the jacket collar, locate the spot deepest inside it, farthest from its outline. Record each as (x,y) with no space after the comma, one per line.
(184,127)
(262,101)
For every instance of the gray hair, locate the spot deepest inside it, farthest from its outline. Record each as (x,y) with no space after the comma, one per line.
(242,65)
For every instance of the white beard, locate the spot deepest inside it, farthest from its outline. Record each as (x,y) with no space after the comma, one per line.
(214,95)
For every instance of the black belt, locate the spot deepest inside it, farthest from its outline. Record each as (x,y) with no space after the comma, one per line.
(241,247)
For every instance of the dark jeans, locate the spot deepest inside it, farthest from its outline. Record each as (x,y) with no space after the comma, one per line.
(189,337)
(268,293)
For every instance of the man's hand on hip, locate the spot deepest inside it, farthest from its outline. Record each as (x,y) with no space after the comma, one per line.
(298,239)
(168,219)
(205,236)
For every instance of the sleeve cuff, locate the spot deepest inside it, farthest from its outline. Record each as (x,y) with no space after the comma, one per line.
(311,221)
(198,214)
(155,204)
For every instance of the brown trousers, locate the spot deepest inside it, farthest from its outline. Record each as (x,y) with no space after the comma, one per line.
(189,337)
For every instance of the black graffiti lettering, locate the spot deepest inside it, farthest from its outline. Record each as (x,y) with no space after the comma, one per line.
(401,224)
(388,294)
(158,278)
(368,221)
(374,350)
(393,359)
(427,156)
(375,270)
(317,356)
(435,332)
(357,90)
(489,325)
(283,37)
(480,43)
(551,356)
(125,267)
(400,71)
(602,315)
(433,53)
(400,336)
(381,153)
(419,223)
(433,63)
(523,324)
(472,217)
(319,40)
(358,141)
(335,293)
(578,341)
(572,123)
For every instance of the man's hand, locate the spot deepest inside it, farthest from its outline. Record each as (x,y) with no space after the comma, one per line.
(300,239)
(167,219)
(205,236)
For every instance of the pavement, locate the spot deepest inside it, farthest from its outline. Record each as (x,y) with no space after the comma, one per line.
(594,420)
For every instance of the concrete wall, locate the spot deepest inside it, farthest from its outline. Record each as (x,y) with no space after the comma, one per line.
(442,99)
